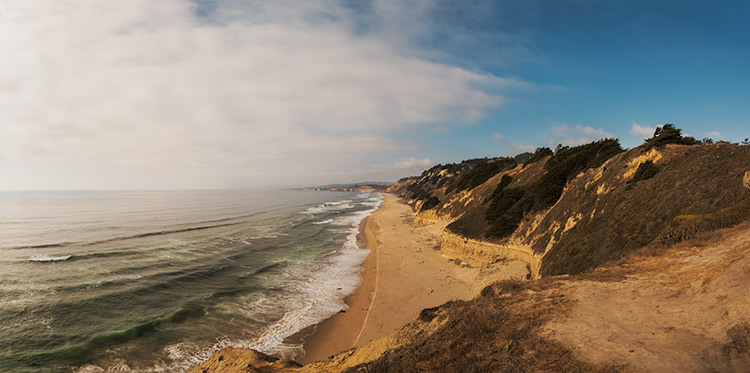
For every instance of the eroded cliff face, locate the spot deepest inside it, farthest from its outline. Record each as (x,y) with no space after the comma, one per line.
(602,214)
(478,253)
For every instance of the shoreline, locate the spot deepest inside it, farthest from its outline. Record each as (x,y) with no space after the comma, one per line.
(403,274)
(336,334)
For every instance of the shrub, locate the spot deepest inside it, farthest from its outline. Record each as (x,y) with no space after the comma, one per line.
(480,173)
(415,191)
(538,155)
(508,207)
(684,227)
(646,170)
(669,134)
(430,203)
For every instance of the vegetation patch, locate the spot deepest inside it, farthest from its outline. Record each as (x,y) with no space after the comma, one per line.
(430,203)
(669,134)
(507,207)
(480,173)
(538,155)
(646,170)
(684,227)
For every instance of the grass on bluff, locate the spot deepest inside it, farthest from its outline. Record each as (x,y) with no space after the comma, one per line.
(499,331)
(687,226)
(698,189)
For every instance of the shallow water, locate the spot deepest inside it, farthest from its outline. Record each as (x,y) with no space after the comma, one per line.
(157,280)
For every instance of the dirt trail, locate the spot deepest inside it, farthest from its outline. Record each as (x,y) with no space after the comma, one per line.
(670,314)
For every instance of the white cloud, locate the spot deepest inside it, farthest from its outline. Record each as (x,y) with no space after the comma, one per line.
(641,131)
(412,164)
(713,134)
(576,135)
(498,137)
(286,90)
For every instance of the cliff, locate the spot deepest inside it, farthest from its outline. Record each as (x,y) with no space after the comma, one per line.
(640,259)
(602,213)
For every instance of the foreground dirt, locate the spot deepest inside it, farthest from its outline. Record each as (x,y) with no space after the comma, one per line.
(671,313)
(681,309)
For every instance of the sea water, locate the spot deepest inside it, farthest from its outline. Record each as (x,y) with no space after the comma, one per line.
(159,280)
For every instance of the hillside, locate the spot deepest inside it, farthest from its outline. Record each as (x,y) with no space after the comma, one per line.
(578,208)
(641,261)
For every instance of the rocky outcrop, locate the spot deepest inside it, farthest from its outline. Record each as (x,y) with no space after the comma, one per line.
(233,360)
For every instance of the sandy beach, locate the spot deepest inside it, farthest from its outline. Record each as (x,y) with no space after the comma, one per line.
(403,274)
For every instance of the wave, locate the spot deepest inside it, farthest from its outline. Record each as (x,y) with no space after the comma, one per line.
(47,258)
(330,206)
(265,269)
(187,311)
(323,222)
(123,238)
(322,294)
(159,233)
(329,254)
(42,246)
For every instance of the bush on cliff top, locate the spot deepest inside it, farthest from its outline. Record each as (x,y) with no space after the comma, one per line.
(480,173)
(669,134)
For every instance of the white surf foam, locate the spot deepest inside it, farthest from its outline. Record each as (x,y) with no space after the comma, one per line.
(47,258)
(317,296)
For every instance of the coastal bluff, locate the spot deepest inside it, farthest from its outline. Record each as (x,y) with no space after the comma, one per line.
(636,260)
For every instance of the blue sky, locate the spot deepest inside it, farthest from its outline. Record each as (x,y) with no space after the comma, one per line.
(183,94)
(603,65)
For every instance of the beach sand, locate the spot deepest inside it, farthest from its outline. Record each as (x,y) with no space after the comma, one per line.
(403,274)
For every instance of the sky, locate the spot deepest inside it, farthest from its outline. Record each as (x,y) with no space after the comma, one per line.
(204,94)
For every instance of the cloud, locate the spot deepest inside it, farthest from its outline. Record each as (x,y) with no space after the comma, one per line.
(249,93)
(412,164)
(713,134)
(641,131)
(498,137)
(576,135)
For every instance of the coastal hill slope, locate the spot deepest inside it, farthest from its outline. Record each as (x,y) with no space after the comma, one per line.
(641,261)
(574,209)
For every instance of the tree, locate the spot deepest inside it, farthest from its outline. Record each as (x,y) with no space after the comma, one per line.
(669,134)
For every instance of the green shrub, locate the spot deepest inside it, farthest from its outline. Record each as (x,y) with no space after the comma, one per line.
(538,155)
(508,207)
(646,170)
(669,134)
(415,191)
(685,227)
(430,203)
(480,173)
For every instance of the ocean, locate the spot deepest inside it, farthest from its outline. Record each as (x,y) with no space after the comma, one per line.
(156,281)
